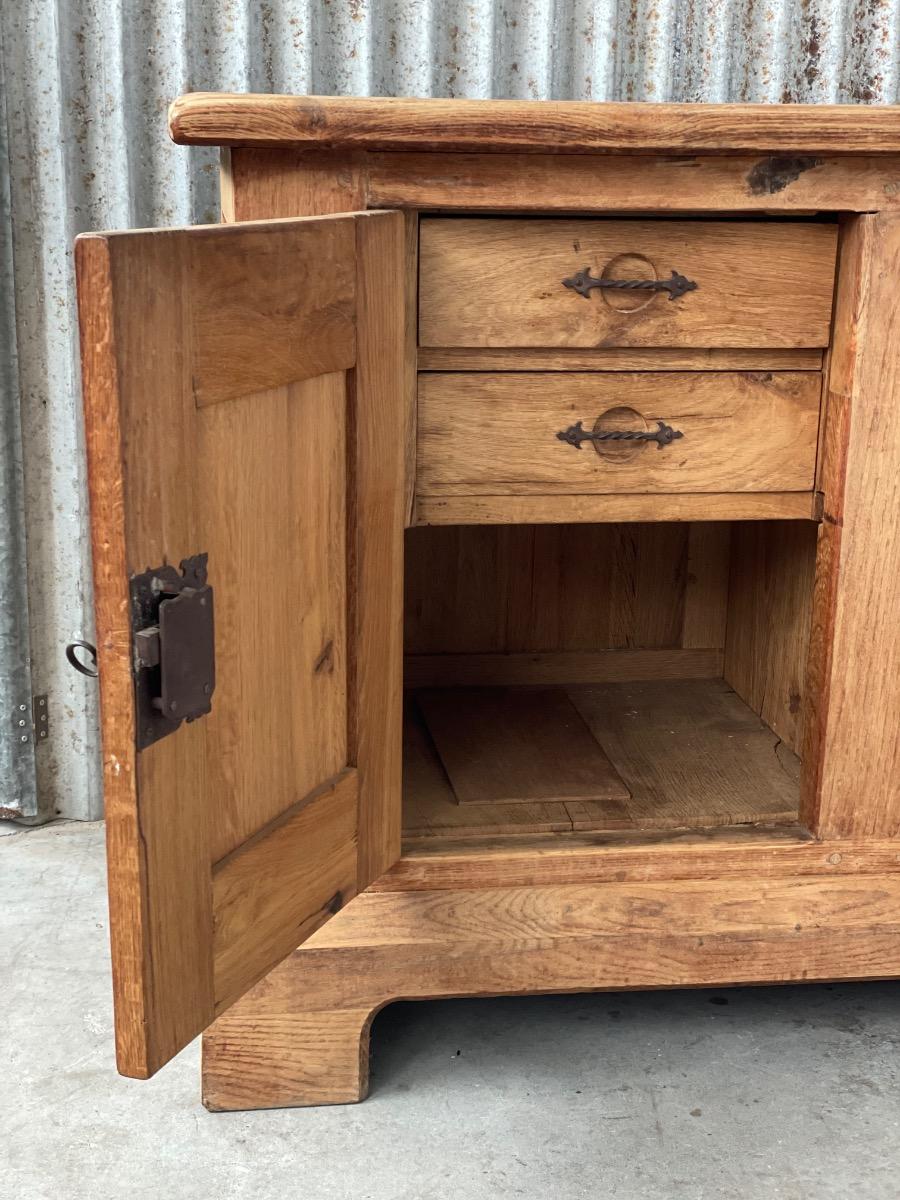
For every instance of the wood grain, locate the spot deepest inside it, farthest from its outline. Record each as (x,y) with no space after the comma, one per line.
(721,854)
(158,854)
(272,892)
(303,525)
(624,183)
(758,284)
(220,118)
(276,464)
(555,510)
(501,745)
(690,752)
(769,613)
(520,590)
(257,1057)
(262,185)
(706,585)
(480,358)
(286,182)
(497,434)
(379,487)
(431,810)
(513,941)
(856,784)
(559,667)
(248,296)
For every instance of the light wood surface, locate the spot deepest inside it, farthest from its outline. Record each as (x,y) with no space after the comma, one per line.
(296,1038)
(508,745)
(561,510)
(538,590)
(220,118)
(378,466)
(497,434)
(431,809)
(856,788)
(480,358)
(769,614)
(559,667)
(158,855)
(275,462)
(286,182)
(762,851)
(263,185)
(691,754)
(294,495)
(706,585)
(497,283)
(322,1057)
(301,866)
(248,294)
(621,183)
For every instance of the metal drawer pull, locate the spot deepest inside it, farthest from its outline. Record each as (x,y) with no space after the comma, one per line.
(582,282)
(663,435)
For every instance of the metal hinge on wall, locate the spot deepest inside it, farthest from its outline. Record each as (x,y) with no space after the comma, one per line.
(31,720)
(174,647)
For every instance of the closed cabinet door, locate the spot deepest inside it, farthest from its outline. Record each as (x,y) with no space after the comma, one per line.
(245,442)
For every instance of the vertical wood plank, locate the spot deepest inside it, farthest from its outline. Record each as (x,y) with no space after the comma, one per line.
(706,585)
(379,461)
(770,602)
(142,461)
(854,786)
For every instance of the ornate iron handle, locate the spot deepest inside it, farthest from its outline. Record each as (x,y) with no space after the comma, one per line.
(582,282)
(663,435)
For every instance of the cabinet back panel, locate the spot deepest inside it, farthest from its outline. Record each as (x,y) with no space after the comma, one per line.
(516,589)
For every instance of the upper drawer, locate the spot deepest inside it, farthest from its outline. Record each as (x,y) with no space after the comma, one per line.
(498,282)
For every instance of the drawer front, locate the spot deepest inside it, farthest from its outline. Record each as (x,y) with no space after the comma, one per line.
(707,284)
(499,434)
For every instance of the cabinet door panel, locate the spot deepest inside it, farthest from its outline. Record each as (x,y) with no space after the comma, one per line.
(241,400)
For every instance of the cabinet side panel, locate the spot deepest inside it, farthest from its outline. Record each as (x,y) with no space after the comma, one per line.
(854,786)
(772,568)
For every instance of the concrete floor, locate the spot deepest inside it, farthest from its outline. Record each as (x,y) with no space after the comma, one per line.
(775,1093)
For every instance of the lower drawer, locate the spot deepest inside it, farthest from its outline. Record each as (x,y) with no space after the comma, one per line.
(529,434)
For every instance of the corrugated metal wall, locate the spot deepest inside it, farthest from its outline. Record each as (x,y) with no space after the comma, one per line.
(87,83)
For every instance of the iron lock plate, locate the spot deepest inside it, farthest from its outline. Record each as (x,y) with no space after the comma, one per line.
(173,627)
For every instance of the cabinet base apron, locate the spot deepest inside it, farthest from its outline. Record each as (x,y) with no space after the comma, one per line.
(301,1036)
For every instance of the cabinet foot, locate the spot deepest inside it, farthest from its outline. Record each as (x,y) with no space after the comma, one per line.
(258,1055)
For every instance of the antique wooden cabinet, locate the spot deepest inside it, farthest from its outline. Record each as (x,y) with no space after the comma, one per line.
(574,431)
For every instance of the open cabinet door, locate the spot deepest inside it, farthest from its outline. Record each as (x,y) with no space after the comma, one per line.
(243,402)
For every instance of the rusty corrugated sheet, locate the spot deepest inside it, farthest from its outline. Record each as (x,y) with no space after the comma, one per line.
(87,89)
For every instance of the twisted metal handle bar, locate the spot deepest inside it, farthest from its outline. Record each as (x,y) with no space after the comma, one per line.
(663,435)
(676,285)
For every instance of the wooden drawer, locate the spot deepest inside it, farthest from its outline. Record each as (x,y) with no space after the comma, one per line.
(497,282)
(498,434)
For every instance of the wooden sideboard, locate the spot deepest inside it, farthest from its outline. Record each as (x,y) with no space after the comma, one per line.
(494,532)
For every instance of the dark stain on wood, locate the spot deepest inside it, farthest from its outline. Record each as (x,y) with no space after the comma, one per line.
(772,175)
(325,661)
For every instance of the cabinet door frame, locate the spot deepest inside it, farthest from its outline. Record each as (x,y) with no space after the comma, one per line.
(178,327)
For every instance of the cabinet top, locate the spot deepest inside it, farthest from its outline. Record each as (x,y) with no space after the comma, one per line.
(574,127)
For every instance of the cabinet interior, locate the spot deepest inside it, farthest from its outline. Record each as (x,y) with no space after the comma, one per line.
(604,677)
